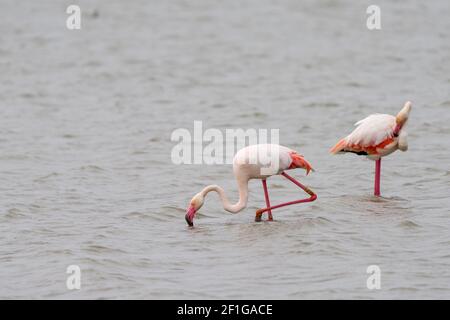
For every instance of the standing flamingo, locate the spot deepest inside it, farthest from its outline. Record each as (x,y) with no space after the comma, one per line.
(256,162)
(377,136)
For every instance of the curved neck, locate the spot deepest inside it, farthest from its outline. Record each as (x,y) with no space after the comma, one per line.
(233,208)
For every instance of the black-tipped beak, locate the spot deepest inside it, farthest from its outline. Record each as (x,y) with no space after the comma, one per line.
(189,222)
(190,213)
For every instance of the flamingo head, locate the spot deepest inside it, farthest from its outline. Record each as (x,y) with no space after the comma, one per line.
(298,161)
(195,204)
(402,117)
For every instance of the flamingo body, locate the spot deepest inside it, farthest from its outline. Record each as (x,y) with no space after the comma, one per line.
(257,161)
(373,137)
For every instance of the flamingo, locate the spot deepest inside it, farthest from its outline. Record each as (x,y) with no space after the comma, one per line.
(377,136)
(258,161)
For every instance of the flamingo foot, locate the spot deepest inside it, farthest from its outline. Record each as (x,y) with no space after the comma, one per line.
(259,213)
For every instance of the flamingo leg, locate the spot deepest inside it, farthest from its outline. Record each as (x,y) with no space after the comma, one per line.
(266,196)
(312,197)
(377,177)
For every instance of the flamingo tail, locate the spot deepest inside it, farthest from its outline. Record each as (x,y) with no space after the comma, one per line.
(338,147)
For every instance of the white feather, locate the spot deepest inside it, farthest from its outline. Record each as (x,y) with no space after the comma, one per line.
(372,130)
(272,158)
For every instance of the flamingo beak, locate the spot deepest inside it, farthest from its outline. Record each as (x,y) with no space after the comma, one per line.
(397,129)
(190,214)
(308,167)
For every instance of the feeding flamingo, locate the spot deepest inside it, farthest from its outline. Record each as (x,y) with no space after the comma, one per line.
(377,136)
(256,162)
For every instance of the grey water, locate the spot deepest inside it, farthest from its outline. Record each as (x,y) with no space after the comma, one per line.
(86,176)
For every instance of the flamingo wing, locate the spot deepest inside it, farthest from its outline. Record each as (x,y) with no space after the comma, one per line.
(372,133)
(261,156)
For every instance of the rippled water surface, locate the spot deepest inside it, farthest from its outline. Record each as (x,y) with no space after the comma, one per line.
(87,179)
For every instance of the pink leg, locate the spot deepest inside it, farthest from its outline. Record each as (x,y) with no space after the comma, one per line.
(312,197)
(266,195)
(377,177)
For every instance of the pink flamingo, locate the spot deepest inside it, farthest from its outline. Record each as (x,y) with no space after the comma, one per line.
(377,136)
(256,162)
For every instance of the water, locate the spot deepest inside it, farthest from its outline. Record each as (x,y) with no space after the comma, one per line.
(86,176)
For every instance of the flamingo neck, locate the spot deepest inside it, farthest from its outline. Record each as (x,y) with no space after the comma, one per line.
(233,208)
